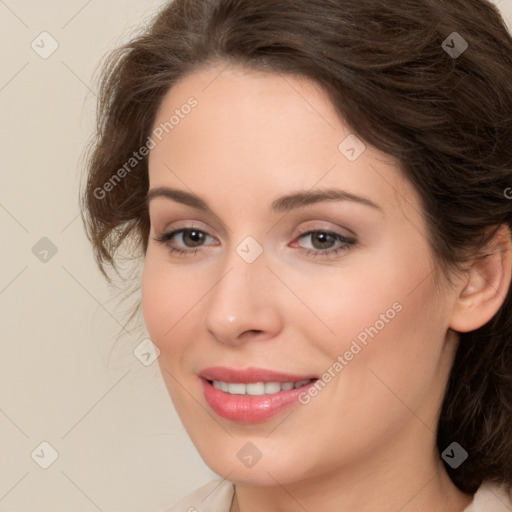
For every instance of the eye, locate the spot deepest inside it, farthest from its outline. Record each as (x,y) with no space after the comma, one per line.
(192,238)
(324,243)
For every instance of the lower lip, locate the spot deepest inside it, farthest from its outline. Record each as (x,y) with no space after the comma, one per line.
(250,408)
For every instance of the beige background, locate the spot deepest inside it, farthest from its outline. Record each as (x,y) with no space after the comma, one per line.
(65,380)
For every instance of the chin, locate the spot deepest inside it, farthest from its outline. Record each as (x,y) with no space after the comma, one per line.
(232,461)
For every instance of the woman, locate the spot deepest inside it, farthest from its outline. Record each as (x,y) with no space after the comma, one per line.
(320,191)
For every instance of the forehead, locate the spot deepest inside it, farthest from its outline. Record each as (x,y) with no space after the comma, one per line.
(251,108)
(250,129)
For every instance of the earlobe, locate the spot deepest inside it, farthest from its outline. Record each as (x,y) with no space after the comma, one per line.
(487,284)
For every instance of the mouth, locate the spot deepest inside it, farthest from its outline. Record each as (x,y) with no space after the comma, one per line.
(252,395)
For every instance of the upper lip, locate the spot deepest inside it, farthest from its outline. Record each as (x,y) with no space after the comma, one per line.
(248,375)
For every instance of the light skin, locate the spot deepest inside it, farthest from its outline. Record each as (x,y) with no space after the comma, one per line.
(366,442)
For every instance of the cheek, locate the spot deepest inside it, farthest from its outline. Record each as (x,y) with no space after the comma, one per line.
(170,296)
(361,299)
(167,298)
(167,301)
(400,329)
(380,314)
(154,301)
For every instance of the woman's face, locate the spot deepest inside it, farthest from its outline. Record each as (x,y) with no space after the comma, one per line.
(276,277)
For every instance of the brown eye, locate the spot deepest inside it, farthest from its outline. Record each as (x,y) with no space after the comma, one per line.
(322,239)
(324,243)
(191,240)
(194,235)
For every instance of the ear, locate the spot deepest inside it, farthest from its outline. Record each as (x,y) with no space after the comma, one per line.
(486,285)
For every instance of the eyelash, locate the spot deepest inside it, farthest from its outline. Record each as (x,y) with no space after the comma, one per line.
(347,242)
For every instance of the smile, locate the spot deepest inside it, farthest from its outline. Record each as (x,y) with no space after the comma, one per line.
(251,395)
(257,388)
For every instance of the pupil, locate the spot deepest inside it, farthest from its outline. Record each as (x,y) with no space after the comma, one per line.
(195,236)
(323,238)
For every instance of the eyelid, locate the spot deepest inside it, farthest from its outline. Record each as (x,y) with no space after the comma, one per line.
(180,229)
(347,240)
(300,231)
(190,224)
(335,231)
(303,231)
(181,214)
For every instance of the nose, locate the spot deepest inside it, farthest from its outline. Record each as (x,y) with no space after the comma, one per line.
(244,302)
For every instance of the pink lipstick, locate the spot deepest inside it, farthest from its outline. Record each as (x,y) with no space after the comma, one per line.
(251,395)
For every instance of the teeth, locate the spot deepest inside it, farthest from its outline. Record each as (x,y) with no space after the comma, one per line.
(272,387)
(257,388)
(236,388)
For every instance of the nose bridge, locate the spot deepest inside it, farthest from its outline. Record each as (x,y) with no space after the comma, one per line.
(241,299)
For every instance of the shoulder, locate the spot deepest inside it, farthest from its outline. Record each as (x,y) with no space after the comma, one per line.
(491,497)
(215,496)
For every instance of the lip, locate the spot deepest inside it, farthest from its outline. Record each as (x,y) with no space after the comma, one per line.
(250,408)
(251,374)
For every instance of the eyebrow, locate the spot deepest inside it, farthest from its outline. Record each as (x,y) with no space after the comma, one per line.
(280,205)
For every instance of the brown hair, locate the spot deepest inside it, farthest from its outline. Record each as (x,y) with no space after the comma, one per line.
(388,70)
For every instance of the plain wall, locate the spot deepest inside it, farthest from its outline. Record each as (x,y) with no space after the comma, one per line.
(64,379)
